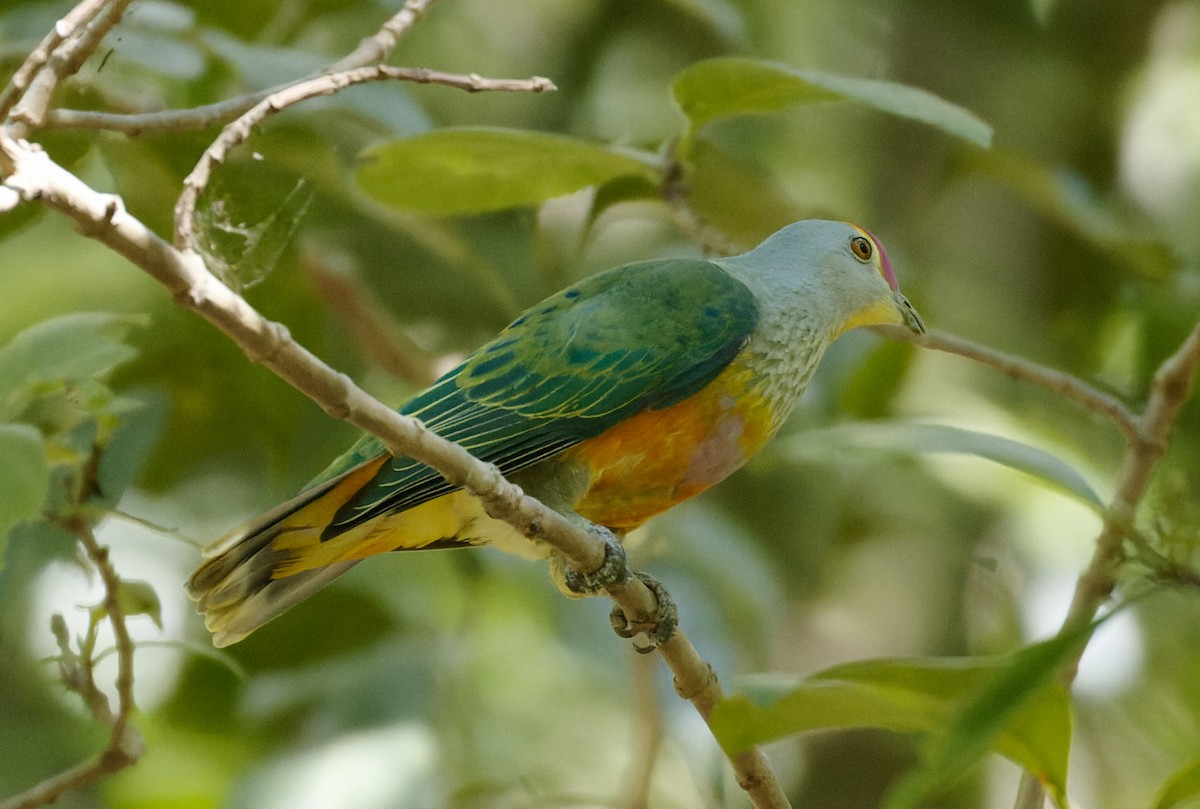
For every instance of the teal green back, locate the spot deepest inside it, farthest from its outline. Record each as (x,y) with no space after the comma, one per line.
(642,336)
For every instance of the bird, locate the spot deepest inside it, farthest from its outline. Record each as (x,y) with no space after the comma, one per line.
(611,401)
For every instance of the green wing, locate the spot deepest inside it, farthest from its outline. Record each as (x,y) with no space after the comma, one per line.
(642,336)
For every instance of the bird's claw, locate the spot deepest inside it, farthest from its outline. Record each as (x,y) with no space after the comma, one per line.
(650,634)
(613,572)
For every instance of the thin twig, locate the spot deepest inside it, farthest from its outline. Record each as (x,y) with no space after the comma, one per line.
(375,48)
(124,743)
(370,50)
(137,123)
(123,746)
(239,130)
(103,218)
(1069,387)
(65,60)
(18,85)
(1170,389)
(648,744)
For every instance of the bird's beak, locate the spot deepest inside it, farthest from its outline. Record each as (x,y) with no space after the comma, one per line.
(911,319)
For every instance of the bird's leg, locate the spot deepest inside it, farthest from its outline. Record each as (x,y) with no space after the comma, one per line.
(648,634)
(647,631)
(613,571)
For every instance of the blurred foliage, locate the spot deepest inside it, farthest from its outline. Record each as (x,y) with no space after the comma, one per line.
(464,679)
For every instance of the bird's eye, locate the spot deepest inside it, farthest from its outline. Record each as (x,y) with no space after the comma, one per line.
(862,248)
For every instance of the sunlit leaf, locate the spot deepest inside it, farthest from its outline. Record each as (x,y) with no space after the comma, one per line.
(932,438)
(1014,696)
(1183,786)
(70,349)
(26,477)
(729,86)
(459,171)
(1011,704)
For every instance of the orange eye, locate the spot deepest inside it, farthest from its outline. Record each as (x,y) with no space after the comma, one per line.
(862,248)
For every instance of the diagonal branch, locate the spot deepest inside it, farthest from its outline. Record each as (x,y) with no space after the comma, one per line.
(103,218)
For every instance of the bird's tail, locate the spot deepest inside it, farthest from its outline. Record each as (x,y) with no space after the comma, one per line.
(238,587)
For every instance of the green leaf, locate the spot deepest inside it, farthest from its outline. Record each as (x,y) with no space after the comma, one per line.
(729,86)
(739,199)
(1180,787)
(1018,694)
(135,598)
(461,171)
(26,477)
(1012,704)
(621,189)
(929,438)
(69,350)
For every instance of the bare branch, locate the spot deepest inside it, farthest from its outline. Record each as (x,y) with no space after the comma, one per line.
(1069,387)
(18,85)
(65,61)
(1170,389)
(238,131)
(134,124)
(104,218)
(375,48)
(124,743)
(370,50)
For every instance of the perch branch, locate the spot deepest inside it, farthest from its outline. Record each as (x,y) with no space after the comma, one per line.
(103,218)
(239,130)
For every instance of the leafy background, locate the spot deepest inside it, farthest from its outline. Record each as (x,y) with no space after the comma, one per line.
(464,679)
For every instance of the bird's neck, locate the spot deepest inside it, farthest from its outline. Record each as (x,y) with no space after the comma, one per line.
(792,334)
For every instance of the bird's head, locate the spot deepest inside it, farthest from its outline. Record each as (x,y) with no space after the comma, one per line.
(836,270)
(884,307)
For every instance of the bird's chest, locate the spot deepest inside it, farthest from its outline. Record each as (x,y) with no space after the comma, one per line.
(657,458)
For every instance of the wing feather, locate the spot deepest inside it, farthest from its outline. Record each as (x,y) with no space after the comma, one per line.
(641,336)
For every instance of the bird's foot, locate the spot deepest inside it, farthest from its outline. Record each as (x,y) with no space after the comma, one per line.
(657,629)
(613,572)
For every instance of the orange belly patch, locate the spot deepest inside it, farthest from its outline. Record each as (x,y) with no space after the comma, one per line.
(657,458)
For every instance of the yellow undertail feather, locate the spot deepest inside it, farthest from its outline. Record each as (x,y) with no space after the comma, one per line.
(278,559)
(236,588)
